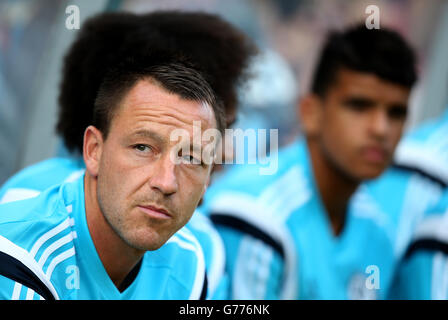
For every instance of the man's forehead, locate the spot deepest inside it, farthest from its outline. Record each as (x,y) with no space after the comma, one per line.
(147,99)
(349,81)
(349,77)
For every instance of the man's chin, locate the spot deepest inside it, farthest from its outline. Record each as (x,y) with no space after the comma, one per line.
(154,247)
(371,173)
(148,242)
(147,246)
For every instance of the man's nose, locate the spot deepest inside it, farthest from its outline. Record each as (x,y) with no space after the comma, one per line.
(379,123)
(164,177)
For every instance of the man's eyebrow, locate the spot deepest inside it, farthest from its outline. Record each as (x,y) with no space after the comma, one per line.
(359,101)
(192,146)
(398,105)
(148,134)
(144,133)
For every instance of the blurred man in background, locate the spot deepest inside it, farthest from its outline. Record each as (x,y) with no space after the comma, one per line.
(106,41)
(301,233)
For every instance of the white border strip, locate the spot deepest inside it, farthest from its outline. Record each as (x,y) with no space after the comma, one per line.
(250,210)
(200,266)
(415,156)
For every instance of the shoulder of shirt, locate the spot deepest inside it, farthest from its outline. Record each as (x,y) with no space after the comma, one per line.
(212,245)
(38,233)
(247,182)
(246,186)
(23,221)
(203,229)
(259,206)
(427,129)
(431,233)
(251,178)
(183,256)
(42,175)
(424,150)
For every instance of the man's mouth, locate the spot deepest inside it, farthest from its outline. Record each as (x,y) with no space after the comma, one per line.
(374,154)
(155,212)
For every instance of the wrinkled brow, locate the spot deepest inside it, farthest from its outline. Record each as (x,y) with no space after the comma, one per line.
(149,134)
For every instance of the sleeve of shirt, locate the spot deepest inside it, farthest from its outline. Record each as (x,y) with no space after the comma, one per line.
(12,290)
(221,291)
(254,267)
(410,281)
(423,271)
(18,265)
(213,248)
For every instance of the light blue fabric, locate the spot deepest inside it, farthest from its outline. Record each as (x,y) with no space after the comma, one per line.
(51,230)
(423,272)
(308,262)
(36,178)
(40,176)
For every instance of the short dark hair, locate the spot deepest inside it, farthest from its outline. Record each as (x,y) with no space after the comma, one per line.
(382,52)
(175,77)
(217,49)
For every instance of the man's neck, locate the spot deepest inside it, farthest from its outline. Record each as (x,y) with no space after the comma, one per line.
(118,258)
(335,188)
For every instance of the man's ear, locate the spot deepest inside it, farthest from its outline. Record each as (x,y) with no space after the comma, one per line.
(310,113)
(92,149)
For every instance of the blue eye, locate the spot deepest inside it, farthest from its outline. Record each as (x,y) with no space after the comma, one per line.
(189,159)
(142,148)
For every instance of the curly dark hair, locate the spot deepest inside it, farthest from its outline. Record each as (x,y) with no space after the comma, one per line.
(219,51)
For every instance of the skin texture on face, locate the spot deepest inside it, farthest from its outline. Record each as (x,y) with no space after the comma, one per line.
(143,195)
(359,123)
